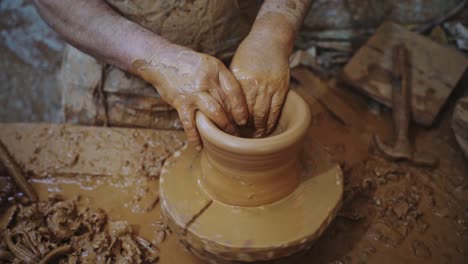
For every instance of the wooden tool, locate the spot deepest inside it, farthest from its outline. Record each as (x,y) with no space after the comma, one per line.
(16,173)
(401,100)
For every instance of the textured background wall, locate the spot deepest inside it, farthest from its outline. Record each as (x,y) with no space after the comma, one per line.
(30,52)
(326,14)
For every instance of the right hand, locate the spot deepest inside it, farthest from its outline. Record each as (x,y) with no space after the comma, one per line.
(261,65)
(190,81)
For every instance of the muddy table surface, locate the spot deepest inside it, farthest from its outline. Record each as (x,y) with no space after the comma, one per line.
(392,212)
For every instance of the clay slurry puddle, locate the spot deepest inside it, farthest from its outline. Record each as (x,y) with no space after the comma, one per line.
(119,204)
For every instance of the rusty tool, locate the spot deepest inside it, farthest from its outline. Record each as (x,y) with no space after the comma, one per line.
(16,173)
(402,148)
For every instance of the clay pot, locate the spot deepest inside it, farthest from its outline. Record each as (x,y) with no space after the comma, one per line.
(244,199)
(253,172)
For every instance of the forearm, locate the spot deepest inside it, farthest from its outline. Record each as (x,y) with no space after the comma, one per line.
(93,27)
(281,20)
(294,11)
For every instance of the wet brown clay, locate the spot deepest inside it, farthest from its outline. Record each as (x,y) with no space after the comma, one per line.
(253,172)
(392,212)
(233,200)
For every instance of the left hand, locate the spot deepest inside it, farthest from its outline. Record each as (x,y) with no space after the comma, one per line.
(190,81)
(261,66)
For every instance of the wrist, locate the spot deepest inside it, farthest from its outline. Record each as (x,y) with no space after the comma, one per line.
(144,46)
(276,29)
(147,62)
(160,62)
(163,52)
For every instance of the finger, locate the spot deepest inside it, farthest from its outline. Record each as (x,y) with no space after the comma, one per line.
(215,112)
(187,118)
(251,93)
(275,110)
(219,96)
(260,114)
(250,90)
(234,96)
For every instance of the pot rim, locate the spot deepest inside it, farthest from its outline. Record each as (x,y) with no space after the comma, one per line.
(296,129)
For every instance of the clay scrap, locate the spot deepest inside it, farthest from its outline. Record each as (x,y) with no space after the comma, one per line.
(435,70)
(67,232)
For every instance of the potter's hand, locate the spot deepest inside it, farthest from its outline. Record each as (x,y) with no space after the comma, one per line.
(262,68)
(185,79)
(191,81)
(261,63)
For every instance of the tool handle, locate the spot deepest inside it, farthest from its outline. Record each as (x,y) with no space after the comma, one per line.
(16,173)
(401,94)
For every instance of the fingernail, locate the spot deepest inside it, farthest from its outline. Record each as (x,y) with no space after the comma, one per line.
(198,148)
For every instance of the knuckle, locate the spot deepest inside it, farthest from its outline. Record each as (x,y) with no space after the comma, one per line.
(275,108)
(190,131)
(237,100)
(216,109)
(239,110)
(258,120)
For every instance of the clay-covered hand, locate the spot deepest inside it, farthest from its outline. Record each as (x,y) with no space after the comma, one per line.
(262,68)
(190,81)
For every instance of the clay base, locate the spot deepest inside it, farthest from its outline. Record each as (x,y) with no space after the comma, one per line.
(212,229)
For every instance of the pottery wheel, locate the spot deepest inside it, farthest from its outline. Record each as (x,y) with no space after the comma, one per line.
(214,230)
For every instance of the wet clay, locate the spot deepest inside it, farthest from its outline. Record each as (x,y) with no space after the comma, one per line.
(391,212)
(115,170)
(44,231)
(237,190)
(253,172)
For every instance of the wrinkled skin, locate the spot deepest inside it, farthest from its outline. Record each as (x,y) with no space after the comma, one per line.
(262,68)
(191,81)
(187,80)
(261,65)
